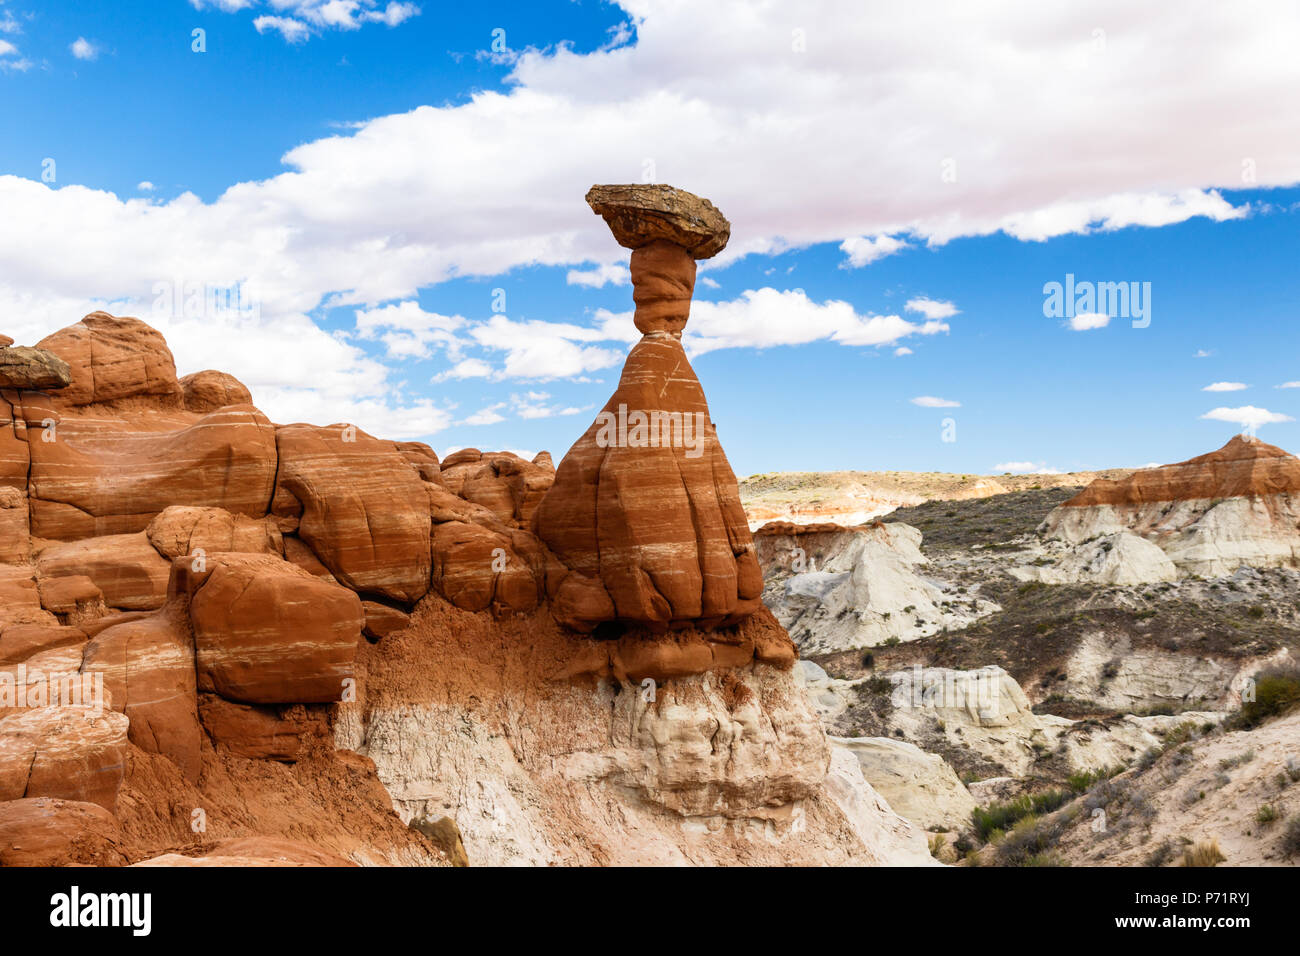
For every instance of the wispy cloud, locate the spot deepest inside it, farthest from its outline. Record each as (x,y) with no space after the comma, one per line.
(1025,468)
(1225,387)
(930,401)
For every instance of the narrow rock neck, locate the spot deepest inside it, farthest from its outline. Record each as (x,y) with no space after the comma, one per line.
(663,281)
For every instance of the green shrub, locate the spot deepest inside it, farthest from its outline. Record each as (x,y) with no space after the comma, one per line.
(1231,763)
(1084,780)
(1277,690)
(1003,816)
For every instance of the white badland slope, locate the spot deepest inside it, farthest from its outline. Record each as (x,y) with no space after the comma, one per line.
(837,588)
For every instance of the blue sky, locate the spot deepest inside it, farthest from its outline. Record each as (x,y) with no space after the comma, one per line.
(379,177)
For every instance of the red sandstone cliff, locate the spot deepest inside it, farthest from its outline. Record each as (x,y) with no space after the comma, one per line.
(307,637)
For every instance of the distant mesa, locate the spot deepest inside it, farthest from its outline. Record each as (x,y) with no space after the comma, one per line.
(1239,505)
(1244,466)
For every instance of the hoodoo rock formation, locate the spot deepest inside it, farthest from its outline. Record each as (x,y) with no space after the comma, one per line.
(226,641)
(1239,505)
(645,513)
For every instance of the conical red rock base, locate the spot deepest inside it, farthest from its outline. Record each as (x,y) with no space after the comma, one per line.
(648,523)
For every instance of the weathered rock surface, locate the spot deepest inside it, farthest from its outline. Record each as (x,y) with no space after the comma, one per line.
(640,214)
(382,620)
(110,475)
(722,766)
(73,753)
(125,568)
(364,509)
(15,544)
(19,642)
(1210,787)
(837,588)
(987,713)
(1120,558)
(22,367)
(267,632)
(41,831)
(261,733)
(650,534)
(919,786)
(74,598)
(147,667)
(504,484)
(20,600)
(114,358)
(178,531)
(209,390)
(476,568)
(255,852)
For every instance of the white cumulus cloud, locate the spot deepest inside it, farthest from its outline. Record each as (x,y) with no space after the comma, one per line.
(931,308)
(862,250)
(298,20)
(83,49)
(1247,416)
(1085,321)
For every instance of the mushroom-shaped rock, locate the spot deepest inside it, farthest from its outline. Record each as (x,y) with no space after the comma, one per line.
(22,367)
(645,512)
(667,229)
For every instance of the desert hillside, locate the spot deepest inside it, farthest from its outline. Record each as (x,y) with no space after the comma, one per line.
(849,497)
(1008,668)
